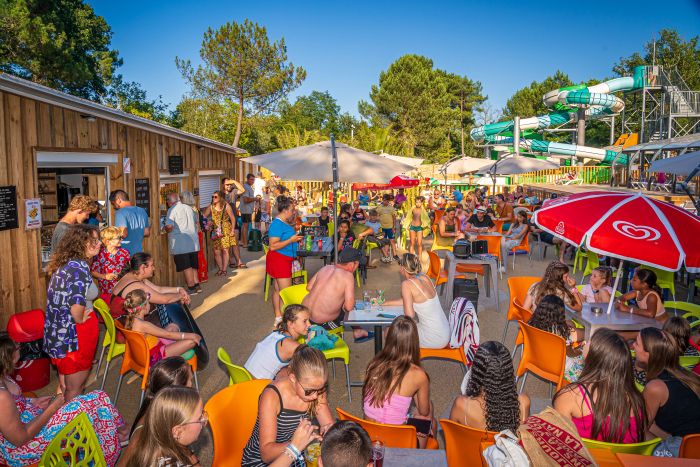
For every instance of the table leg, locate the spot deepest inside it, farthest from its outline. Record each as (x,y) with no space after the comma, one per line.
(451,269)
(494,279)
(487,279)
(378,339)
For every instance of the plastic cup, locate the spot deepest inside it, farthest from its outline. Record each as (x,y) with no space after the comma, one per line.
(378,445)
(312,453)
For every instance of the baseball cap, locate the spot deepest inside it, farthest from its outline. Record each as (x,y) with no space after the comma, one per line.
(481,209)
(350,255)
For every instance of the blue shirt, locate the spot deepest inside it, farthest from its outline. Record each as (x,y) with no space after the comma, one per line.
(283,231)
(364,199)
(532,200)
(135,220)
(458,196)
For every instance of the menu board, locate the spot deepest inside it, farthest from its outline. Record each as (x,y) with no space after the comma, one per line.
(314,230)
(143,195)
(9,217)
(175,165)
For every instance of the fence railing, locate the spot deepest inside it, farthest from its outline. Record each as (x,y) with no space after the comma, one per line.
(592,175)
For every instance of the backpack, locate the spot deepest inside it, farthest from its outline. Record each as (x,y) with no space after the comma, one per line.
(506,452)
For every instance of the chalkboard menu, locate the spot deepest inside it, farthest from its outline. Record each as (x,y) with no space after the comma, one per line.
(9,217)
(314,230)
(143,195)
(175,165)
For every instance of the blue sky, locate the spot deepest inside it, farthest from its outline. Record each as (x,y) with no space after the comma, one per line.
(345,45)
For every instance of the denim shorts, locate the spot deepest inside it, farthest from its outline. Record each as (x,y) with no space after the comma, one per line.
(388,233)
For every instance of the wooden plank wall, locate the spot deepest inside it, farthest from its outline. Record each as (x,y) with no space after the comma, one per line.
(26,124)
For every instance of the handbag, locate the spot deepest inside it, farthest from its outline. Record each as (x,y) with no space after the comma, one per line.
(506,452)
(217,232)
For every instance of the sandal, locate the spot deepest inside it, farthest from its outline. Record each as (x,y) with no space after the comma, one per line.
(242,266)
(221,273)
(232,266)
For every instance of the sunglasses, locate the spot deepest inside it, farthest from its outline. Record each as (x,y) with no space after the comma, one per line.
(319,391)
(121,237)
(204,419)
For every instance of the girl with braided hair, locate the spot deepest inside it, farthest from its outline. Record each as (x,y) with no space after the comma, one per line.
(556,281)
(162,343)
(491,401)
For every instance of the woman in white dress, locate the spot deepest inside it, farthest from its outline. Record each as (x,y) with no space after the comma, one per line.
(420,299)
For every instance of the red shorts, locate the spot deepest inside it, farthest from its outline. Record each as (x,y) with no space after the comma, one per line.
(81,360)
(278,265)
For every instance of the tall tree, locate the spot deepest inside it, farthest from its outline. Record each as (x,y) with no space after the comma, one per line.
(465,99)
(291,137)
(671,50)
(62,44)
(376,138)
(240,64)
(316,111)
(411,95)
(527,102)
(131,97)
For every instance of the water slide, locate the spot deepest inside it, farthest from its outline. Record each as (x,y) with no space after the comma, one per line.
(599,101)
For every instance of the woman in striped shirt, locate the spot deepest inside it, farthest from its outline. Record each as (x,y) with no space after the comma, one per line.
(286,404)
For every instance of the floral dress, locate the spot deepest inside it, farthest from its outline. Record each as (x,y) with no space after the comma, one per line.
(107,263)
(219,219)
(104,418)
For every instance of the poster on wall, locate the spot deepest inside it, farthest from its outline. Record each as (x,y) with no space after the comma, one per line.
(127,165)
(143,194)
(32,208)
(9,217)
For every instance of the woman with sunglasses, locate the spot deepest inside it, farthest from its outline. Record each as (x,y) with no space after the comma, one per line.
(70,329)
(358,215)
(109,261)
(222,230)
(302,395)
(161,342)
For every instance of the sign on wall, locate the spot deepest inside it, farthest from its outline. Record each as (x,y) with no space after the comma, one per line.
(9,217)
(143,194)
(32,209)
(127,165)
(176,165)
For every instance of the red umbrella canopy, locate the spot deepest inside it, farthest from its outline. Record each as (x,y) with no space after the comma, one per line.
(626,225)
(400,181)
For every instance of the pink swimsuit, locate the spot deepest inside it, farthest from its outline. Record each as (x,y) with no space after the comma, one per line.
(392,412)
(585,424)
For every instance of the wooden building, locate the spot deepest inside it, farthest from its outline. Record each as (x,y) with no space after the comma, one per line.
(54,146)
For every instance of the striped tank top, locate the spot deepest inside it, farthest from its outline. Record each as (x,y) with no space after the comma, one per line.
(287,423)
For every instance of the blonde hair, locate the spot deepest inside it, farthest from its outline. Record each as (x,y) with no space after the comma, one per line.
(307,363)
(606,273)
(411,264)
(83,203)
(132,305)
(172,406)
(109,234)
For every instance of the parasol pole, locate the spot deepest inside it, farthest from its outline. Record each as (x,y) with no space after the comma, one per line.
(335,197)
(617,281)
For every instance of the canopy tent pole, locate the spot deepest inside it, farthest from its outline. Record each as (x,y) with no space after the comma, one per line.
(617,282)
(335,197)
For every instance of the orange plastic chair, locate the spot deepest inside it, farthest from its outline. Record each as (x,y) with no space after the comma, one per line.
(524,246)
(525,317)
(438,214)
(499,225)
(447,353)
(463,444)
(518,289)
(435,273)
(544,354)
(690,447)
(396,436)
(137,357)
(231,433)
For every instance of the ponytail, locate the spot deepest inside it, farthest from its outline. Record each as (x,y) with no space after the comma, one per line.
(648,277)
(134,264)
(132,305)
(606,272)
(291,313)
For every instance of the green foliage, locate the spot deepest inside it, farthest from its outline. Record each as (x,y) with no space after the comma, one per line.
(209,117)
(465,100)
(131,98)
(241,65)
(317,111)
(62,44)
(413,96)
(527,102)
(672,50)
(376,138)
(291,137)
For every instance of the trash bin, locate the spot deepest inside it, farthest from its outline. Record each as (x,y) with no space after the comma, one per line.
(254,240)
(32,371)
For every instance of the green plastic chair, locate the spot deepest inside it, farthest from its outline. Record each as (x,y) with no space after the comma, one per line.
(237,374)
(82,447)
(592,263)
(268,278)
(580,255)
(664,279)
(689,362)
(692,309)
(115,348)
(295,294)
(645,449)
(639,386)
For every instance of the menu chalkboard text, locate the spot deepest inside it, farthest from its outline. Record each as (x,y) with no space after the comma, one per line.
(143,195)
(175,165)
(9,216)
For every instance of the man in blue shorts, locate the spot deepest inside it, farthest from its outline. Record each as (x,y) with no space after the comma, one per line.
(387,220)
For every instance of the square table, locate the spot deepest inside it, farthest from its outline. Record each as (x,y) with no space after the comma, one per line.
(364,318)
(490,276)
(636,460)
(617,320)
(398,457)
(324,252)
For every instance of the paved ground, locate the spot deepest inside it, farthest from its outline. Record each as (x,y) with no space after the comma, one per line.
(232,314)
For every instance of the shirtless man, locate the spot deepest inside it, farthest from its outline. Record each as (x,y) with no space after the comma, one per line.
(332,292)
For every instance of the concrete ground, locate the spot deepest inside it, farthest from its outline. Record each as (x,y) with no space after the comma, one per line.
(232,314)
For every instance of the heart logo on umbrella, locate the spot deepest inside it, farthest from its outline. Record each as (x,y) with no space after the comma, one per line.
(637,232)
(560,228)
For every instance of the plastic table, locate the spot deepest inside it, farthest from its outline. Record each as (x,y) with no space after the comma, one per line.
(635,460)
(490,276)
(616,320)
(397,457)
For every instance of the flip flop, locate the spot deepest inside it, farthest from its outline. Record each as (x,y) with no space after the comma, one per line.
(369,336)
(232,266)
(243,266)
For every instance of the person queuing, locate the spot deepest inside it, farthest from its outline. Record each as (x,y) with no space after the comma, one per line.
(447,230)
(418,223)
(78,211)
(110,260)
(271,356)
(182,226)
(419,297)
(605,394)
(259,186)
(395,378)
(132,220)
(28,425)
(231,190)
(188,199)
(301,395)
(71,330)
(283,249)
(491,401)
(136,274)
(247,207)
(221,230)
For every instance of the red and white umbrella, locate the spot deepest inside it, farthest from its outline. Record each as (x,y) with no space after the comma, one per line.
(629,226)
(400,181)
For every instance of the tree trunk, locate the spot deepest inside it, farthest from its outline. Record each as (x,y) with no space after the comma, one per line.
(461,121)
(239,125)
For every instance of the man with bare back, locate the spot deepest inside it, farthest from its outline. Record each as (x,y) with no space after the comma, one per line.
(332,292)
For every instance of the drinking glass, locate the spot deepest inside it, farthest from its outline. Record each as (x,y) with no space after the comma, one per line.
(378,451)
(367,300)
(380,300)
